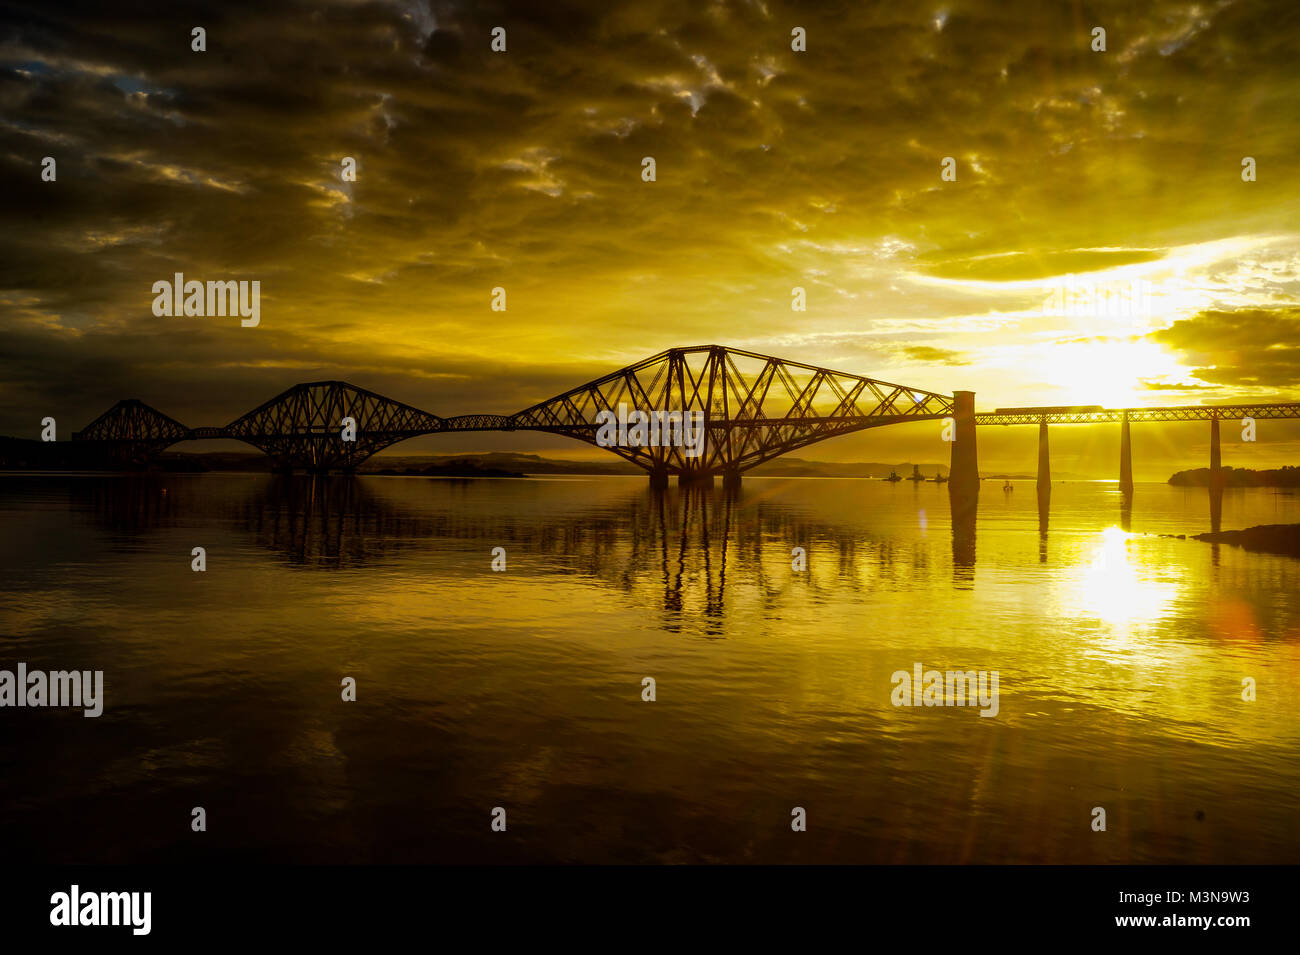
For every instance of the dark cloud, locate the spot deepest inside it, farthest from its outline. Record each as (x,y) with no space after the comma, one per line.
(927,353)
(523,170)
(1255,348)
(1161,386)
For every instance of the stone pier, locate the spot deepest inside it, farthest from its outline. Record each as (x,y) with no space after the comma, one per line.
(1044,463)
(963,469)
(1125,459)
(1216,457)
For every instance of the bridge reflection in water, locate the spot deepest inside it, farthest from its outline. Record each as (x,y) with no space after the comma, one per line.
(678,548)
(526,684)
(692,541)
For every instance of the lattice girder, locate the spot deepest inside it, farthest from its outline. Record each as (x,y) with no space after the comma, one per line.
(304,426)
(751,415)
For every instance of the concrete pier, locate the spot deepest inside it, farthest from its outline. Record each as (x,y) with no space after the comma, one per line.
(1044,464)
(660,478)
(963,469)
(1216,458)
(695,479)
(1125,459)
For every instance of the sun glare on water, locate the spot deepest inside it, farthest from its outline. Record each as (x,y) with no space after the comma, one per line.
(1113,589)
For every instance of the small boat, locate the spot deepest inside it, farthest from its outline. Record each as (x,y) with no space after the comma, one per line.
(916,473)
(939,479)
(1007,487)
(893,476)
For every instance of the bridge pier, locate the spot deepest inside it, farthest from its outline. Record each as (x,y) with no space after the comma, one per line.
(1216,457)
(1044,464)
(963,468)
(1125,459)
(659,478)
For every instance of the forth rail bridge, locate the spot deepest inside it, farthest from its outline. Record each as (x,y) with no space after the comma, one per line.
(755,408)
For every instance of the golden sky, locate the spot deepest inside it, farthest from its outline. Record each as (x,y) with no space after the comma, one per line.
(1075,169)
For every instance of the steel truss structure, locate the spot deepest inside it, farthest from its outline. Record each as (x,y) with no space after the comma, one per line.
(1112,415)
(753,407)
(304,427)
(131,434)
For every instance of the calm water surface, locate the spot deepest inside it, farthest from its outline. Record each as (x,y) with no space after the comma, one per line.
(1120,660)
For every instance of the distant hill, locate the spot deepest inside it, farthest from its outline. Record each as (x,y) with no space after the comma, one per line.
(24,454)
(500,460)
(799,467)
(536,464)
(471,466)
(20,454)
(1240,477)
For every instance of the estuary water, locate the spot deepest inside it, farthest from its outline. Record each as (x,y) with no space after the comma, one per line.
(1120,654)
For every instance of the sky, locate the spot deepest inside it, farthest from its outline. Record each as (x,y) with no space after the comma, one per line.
(1079,173)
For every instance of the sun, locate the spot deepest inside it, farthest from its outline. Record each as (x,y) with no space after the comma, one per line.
(1106,372)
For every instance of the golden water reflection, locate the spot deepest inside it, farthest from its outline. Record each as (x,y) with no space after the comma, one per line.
(772,619)
(1111,585)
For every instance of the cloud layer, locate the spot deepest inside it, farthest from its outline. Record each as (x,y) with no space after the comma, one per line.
(522,169)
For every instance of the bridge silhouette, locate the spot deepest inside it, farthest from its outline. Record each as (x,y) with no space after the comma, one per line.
(754,408)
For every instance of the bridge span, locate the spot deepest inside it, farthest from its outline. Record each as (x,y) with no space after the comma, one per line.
(1094,414)
(753,408)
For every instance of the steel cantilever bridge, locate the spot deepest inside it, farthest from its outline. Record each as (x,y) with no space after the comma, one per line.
(754,408)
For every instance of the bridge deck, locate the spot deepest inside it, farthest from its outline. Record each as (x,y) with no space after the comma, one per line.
(1057,415)
(757,407)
